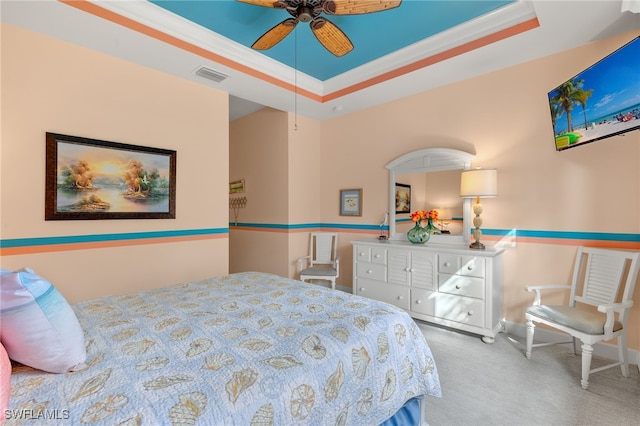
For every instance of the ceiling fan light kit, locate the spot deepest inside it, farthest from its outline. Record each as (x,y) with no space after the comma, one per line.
(327,33)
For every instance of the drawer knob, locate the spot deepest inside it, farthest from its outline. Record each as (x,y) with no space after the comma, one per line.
(457,286)
(418,302)
(470,267)
(469,313)
(399,297)
(361,253)
(361,288)
(407,269)
(377,256)
(447,264)
(369,271)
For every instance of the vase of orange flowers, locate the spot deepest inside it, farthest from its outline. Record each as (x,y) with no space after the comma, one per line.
(424,227)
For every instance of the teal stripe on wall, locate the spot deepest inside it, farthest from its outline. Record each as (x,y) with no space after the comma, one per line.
(523,233)
(275,225)
(408,219)
(599,236)
(512,233)
(73,239)
(306,226)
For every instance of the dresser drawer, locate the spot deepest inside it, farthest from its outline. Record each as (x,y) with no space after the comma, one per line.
(460,309)
(372,271)
(461,285)
(379,255)
(371,254)
(362,254)
(393,294)
(462,265)
(422,301)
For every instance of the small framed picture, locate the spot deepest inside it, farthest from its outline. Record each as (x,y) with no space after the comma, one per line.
(351,202)
(403,198)
(236,186)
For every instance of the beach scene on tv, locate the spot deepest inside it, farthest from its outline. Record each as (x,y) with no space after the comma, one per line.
(602,101)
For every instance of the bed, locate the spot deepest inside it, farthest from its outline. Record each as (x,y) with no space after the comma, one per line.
(239,349)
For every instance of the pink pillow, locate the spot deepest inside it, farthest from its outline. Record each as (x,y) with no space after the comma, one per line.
(38,328)
(5,382)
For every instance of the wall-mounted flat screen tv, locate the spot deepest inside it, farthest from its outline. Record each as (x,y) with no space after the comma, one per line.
(600,102)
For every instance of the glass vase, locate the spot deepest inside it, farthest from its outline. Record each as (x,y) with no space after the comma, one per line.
(431,228)
(418,234)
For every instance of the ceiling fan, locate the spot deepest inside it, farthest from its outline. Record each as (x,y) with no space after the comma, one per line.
(327,33)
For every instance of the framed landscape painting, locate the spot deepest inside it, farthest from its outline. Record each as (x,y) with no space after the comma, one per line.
(93,179)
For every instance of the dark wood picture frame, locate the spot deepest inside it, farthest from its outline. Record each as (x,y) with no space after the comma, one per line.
(403,198)
(89,179)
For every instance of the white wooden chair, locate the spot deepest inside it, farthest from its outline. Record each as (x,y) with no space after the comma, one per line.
(600,275)
(322,262)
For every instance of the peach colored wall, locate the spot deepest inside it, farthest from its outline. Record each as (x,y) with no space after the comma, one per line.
(258,154)
(307,171)
(50,85)
(278,155)
(502,117)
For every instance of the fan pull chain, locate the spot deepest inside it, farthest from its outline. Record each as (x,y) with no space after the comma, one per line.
(295,78)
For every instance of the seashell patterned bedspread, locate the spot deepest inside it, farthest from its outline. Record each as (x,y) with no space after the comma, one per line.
(240,349)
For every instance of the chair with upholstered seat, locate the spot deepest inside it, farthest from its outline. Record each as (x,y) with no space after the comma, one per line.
(600,296)
(322,262)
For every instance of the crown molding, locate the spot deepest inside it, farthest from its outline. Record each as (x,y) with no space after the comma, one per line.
(162,20)
(491,23)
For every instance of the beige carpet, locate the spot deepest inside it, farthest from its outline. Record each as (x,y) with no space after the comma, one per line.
(494,384)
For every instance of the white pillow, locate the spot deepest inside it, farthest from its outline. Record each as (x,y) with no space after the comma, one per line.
(5,382)
(38,328)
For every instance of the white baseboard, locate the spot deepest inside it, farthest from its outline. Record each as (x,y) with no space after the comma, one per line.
(603,350)
(344,288)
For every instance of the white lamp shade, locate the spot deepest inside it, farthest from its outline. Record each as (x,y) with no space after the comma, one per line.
(444,214)
(479,183)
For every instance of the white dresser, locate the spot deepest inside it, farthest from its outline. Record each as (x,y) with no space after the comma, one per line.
(450,285)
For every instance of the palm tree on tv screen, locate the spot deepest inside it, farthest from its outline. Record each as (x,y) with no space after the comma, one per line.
(556,112)
(582,96)
(569,94)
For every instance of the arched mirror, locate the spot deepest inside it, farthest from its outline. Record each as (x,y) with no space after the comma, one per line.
(430,179)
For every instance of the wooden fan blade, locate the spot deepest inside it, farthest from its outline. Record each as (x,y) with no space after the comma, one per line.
(275,34)
(331,37)
(265,3)
(357,7)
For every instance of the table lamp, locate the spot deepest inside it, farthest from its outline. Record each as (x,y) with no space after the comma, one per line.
(475,184)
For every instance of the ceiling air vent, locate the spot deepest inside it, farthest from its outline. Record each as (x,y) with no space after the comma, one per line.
(210,74)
